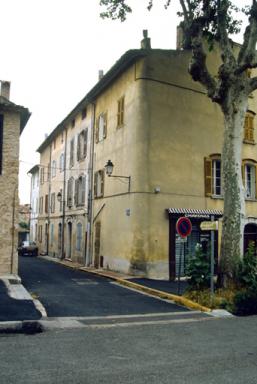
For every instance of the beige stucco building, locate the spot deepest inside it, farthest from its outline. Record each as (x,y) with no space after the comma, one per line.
(166,135)
(163,136)
(64,187)
(13,119)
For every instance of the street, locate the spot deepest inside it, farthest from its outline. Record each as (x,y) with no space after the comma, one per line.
(66,292)
(222,351)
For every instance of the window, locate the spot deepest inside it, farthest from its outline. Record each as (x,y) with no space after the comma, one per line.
(249,127)
(120,114)
(41,204)
(54,143)
(73,123)
(99,183)
(61,202)
(46,203)
(40,233)
(52,234)
(62,137)
(42,175)
(84,113)
(101,127)
(61,163)
(1,143)
(70,192)
(212,168)
(48,172)
(52,202)
(80,191)
(53,168)
(249,180)
(79,237)
(72,153)
(82,145)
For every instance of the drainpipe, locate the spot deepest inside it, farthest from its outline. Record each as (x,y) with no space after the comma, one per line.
(64,193)
(13,228)
(89,253)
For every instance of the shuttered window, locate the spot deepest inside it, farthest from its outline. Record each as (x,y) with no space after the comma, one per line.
(120,113)
(70,192)
(72,153)
(82,145)
(101,127)
(79,237)
(249,177)
(80,191)
(249,127)
(212,176)
(99,183)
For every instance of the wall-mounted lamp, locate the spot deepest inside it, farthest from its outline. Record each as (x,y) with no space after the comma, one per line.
(109,169)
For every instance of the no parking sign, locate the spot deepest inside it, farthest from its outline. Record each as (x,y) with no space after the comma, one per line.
(184,227)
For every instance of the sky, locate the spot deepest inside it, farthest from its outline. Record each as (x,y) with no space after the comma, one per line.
(52,50)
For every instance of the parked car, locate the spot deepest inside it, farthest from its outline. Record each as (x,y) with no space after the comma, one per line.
(28,248)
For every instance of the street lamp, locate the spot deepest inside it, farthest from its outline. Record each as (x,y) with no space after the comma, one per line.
(109,169)
(59,198)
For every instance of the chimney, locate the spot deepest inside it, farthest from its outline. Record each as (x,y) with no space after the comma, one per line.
(100,74)
(146,42)
(180,38)
(5,89)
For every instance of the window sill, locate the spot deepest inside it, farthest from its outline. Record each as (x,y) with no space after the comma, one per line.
(217,197)
(252,142)
(253,199)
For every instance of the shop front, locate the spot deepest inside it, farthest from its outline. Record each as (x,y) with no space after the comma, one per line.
(180,250)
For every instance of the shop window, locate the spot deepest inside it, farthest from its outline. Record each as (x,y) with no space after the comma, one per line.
(101,127)
(212,167)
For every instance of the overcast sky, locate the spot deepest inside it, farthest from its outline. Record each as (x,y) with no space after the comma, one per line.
(51,51)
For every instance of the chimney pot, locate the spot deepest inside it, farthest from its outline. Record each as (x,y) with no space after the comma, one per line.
(146,42)
(100,74)
(5,89)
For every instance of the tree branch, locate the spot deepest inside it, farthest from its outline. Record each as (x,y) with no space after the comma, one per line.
(197,66)
(253,83)
(225,44)
(247,54)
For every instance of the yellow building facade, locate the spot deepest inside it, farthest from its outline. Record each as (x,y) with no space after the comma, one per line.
(166,135)
(148,119)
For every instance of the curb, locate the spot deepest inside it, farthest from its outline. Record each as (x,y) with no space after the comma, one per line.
(151,291)
(28,327)
(155,292)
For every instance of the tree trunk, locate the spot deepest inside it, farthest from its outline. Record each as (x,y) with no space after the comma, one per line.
(233,189)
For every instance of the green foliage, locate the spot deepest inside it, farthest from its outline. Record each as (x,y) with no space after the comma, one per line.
(24,225)
(245,303)
(247,269)
(198,270)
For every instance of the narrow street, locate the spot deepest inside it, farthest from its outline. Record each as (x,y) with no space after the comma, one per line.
(66,292)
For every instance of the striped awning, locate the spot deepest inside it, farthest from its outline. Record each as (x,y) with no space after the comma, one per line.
(194,212)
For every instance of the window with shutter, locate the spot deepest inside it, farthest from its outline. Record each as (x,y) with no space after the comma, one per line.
(46,203)
(101,131)
(212,176)
(72,153)
(78,147)
(99,184)
(120,113)
(249,128)
(249,179)
(85,143)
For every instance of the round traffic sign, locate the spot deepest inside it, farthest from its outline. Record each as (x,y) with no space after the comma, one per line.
(184,226)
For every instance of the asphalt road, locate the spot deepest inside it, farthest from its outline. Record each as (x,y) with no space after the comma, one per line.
(221,351)
(67,292)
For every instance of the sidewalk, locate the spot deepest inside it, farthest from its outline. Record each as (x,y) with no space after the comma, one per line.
(18,310)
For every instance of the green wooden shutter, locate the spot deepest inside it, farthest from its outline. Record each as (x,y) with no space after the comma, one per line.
(208,176)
